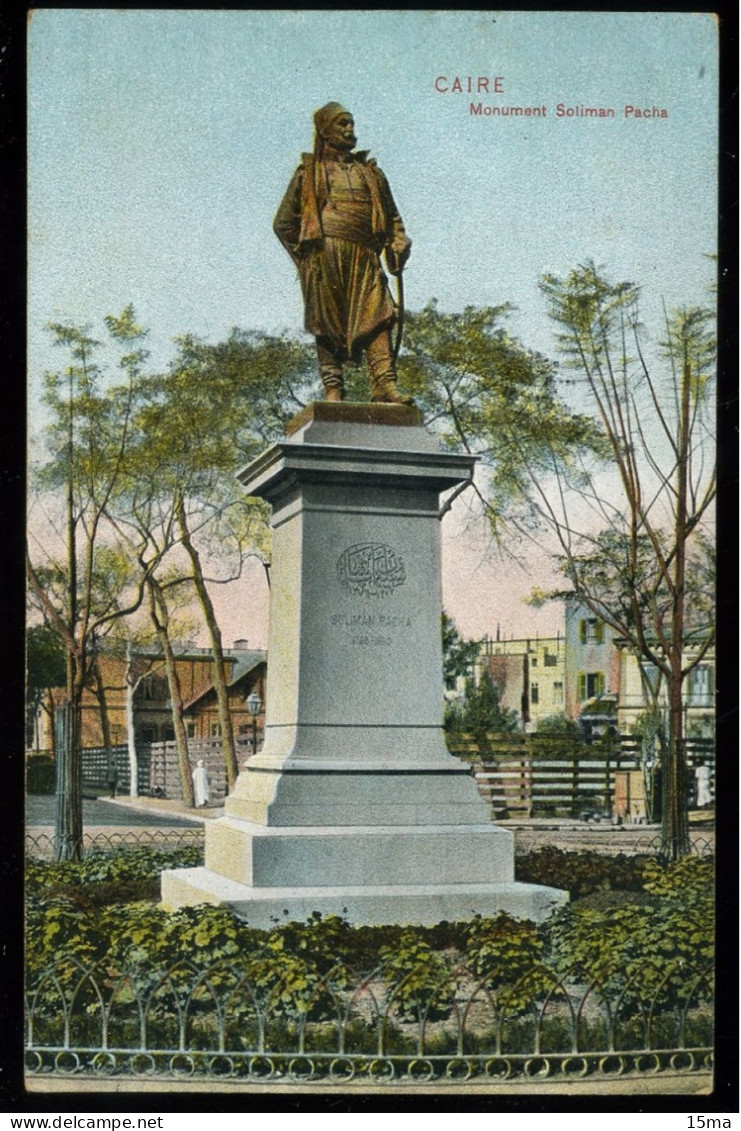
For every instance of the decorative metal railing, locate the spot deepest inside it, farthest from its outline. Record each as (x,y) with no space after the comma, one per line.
(40,845)
(244,1021)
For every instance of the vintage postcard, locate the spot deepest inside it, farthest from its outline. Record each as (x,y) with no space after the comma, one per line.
(370,735)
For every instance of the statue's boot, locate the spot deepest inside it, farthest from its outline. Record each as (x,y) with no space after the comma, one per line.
(384,389)
(330,371)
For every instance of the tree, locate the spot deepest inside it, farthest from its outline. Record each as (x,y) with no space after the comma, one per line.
(635,547)
(558,724)
(481,712)
(83,595)
(459,655)
(45,670)
(483,391)
(195,430)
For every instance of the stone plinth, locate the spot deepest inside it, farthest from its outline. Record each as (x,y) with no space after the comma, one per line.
(354,802)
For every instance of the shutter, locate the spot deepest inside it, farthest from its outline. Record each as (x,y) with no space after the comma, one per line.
(582,684)
(583,631)
(599,683)
(599,632)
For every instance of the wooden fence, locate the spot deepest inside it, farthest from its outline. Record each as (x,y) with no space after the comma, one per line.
(520,775)
(532,775)
(157,764)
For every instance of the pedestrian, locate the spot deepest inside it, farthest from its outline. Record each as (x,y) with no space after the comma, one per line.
(112,775)
(201,785)
(702,785)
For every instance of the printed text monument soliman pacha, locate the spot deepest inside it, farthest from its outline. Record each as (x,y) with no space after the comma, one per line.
(494,84)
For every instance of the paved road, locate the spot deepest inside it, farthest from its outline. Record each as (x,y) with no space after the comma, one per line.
(40,811)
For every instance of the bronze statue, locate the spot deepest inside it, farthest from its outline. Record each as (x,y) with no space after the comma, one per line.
(335,219)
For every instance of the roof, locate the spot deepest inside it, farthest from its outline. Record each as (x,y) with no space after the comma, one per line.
(245,663)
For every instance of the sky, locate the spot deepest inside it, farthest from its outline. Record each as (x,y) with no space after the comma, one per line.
(161,142)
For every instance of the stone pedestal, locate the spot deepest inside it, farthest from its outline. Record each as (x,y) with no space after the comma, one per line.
(354,806)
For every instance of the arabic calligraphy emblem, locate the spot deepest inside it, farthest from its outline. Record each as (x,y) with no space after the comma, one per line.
(370,569)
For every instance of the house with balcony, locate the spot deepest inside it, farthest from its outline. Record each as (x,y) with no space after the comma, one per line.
(642,684)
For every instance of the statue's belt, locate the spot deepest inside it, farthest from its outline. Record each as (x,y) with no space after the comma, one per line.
(353,225)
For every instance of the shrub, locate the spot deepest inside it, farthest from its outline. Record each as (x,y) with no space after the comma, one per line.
(651,946)
(124,865)
(581,873)
(420,979)
(506,954)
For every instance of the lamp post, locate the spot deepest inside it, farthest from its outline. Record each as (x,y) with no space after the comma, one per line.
(254,703)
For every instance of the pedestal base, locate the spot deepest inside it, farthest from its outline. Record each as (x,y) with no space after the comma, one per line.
(416,904)
(415,874)
(354,806)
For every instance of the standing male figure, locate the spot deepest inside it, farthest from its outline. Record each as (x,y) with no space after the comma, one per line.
(111,775)
(335,219)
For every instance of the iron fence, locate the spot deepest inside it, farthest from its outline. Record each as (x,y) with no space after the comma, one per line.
(605,842)
(223,1022)
(40,845)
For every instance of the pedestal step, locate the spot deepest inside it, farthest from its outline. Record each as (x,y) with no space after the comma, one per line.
(413,904)
(335,856)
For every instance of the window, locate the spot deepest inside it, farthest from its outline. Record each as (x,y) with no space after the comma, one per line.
(550,660)
(190,730)
(243,728)
(591,631)
(533,661)
(700,686)
(591,684)
(216,730)
(651,677)
(534,693)
(558,691)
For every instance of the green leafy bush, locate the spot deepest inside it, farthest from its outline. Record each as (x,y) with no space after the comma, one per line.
(581,873)
(421,980)
(651,947)
(506,954)
(123,866)
(291,972)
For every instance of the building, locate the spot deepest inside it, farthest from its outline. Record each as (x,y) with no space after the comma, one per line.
(590,674)
(247,675)
(529,675)
(641,682)
(592,662)
(134,692)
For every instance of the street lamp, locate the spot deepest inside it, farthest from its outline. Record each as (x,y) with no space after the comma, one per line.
(254,703)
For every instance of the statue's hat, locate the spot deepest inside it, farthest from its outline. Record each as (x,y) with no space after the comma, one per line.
(323,118)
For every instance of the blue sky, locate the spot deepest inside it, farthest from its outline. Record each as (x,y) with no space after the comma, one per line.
(160,143)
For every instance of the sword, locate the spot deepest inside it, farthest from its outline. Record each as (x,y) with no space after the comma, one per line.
(399,313)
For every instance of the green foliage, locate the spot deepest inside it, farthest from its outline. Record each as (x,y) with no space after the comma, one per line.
(295,969)
(327,942)
(58,927)
(126,865)
(421,981)
(483,391)
(45,661)
(558,724)
(506,954)
(650,946)
(689,882)
(581,873)
(481,713)
(458,654)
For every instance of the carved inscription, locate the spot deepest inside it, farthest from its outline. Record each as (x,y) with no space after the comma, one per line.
(370,569)
(374,621)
